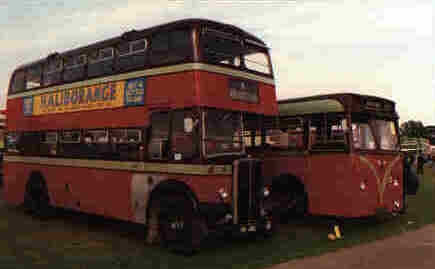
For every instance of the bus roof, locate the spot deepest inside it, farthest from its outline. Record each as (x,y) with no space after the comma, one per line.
(134,34)
(338,102)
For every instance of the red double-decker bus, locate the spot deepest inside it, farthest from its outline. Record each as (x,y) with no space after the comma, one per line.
(145,127)
(335,155)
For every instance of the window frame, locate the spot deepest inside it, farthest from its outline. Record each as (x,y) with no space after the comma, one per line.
(99,52)
(50,142)
(27,71)
(125,132)
(89,131)
(324,145)
(75,65)
(12,89)
(62,141)
(130,48)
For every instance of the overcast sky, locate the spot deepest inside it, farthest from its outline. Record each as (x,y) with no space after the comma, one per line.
(378,47)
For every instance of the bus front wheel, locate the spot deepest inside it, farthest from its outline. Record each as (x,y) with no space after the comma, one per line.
(181,229)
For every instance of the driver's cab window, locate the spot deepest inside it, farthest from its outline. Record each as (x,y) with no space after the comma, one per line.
(159,137)
(185,135)
(362,134)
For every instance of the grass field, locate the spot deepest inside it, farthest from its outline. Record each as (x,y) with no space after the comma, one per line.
(72,240)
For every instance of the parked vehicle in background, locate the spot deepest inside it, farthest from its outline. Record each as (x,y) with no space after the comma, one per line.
(334,155)
(145,127)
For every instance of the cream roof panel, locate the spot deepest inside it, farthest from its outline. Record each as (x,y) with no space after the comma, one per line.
(310,107)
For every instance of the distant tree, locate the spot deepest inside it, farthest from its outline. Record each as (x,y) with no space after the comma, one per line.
(413,128)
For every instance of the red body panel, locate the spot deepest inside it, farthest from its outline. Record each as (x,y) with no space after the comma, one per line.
(99,191)
(177,90)
(332,181)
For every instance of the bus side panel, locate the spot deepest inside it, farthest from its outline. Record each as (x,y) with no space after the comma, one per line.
(274,166)
(105,192)
(14,181)
(97,191)
(330,188)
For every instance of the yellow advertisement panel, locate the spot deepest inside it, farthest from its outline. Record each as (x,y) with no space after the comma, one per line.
(100,96)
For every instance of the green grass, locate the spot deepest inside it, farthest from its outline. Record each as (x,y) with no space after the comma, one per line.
(80,241)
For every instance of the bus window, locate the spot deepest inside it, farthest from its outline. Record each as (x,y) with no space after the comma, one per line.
(96,144)
(171,47)
(220,48)
(12,140)
(70,144)
(362,136)
(126,144)
(33,77)
(49,143)
(29,143)
(74,67)
(277,138)
(101,62)
(327,132)
(159,48)
(252,138)
(256,60)
(185,135)
(132,54)
(52,71)
(18,82)
(385,132)
(158,142)
(223,132)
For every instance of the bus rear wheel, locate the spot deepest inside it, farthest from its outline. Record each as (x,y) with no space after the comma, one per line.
(36,198)
(181,229)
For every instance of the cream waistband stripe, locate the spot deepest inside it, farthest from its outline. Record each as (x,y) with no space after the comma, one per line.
(166,168)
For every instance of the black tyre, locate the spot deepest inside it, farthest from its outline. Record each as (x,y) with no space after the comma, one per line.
(181,229)
(287,205)
(36,198)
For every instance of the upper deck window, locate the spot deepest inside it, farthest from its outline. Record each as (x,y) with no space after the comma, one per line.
(33,77)
(132,54)
(100,62)
(171,47)
(74,67)
(221,48)
(52,71)
(256,60)
(74,61)
(101,55)
(18,82)
(229,49)
(132,47)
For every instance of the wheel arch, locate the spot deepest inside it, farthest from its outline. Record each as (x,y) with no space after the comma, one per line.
(286,182)
(171,186)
